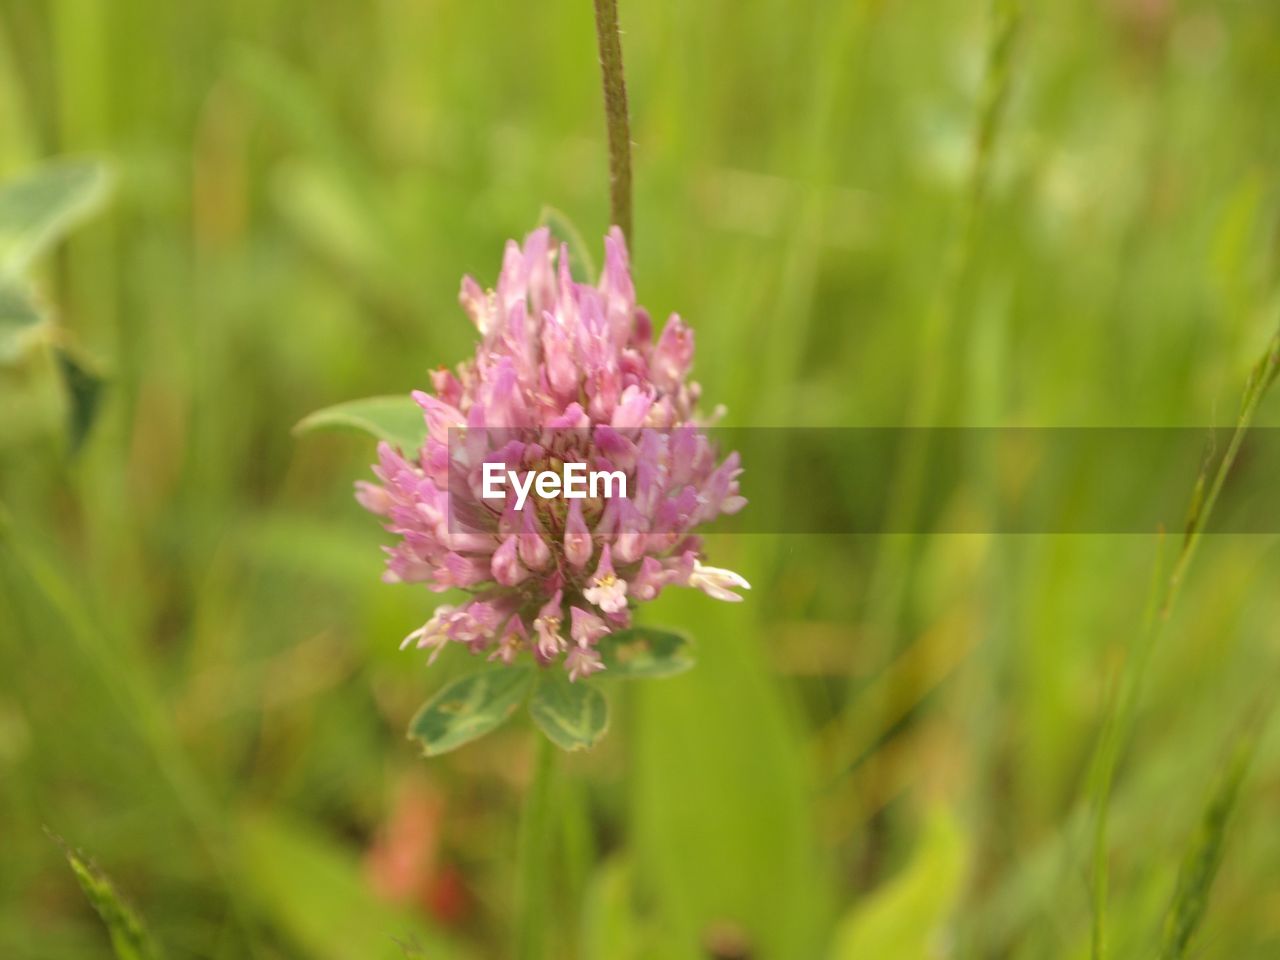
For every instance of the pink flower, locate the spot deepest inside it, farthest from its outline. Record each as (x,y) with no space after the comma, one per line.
(564,372)
(547,625)
(607,590)
(514,639)
(582,662)
(577,538)
(587,628)
(506,565)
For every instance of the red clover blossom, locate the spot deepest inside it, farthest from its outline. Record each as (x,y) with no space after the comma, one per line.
(565,372)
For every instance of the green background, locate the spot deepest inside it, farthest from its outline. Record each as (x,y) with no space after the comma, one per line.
(884,751)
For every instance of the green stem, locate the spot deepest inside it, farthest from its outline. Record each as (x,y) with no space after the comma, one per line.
(135,693)
(1116,728)
(615,112)
(535,856)
(926,405)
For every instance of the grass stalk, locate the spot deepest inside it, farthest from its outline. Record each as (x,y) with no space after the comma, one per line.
(1119,721)
(534,864)
(1205,852)
(128,683)
(925,405)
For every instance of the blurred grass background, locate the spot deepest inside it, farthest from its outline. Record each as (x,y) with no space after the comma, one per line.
(199,680)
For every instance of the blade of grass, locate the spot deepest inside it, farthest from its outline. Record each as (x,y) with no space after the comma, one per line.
(312,891)
(535,853)
(1205,852)
(130,939)
(1118,723)
(126,679)
(1103,771)
(887,592)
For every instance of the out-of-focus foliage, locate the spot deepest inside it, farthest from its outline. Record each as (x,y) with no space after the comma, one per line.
(129,937)
(909,916)
(199,674)
(36,210)
(40,208)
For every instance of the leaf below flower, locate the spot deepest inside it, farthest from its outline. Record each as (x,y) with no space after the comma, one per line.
(642,652)
(574,716)
(468,708)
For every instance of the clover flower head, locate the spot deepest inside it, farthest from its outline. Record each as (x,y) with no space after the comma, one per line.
(565,372)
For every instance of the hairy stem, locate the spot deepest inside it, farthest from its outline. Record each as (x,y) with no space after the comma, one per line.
(615,112)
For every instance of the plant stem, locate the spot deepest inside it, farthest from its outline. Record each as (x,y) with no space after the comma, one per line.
(1116,727)
(534,857)
(926,405)
(1203,858)
(615,112)
(129,684)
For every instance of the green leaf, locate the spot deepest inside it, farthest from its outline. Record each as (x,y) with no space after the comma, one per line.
(84,393)
(610,925)
(39,208)
(574,716)
(18,317)
(641,652)
(741,771)
(129,938)
(907,917)
(469,708)
(567,232)
(313,892)
(396,419)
